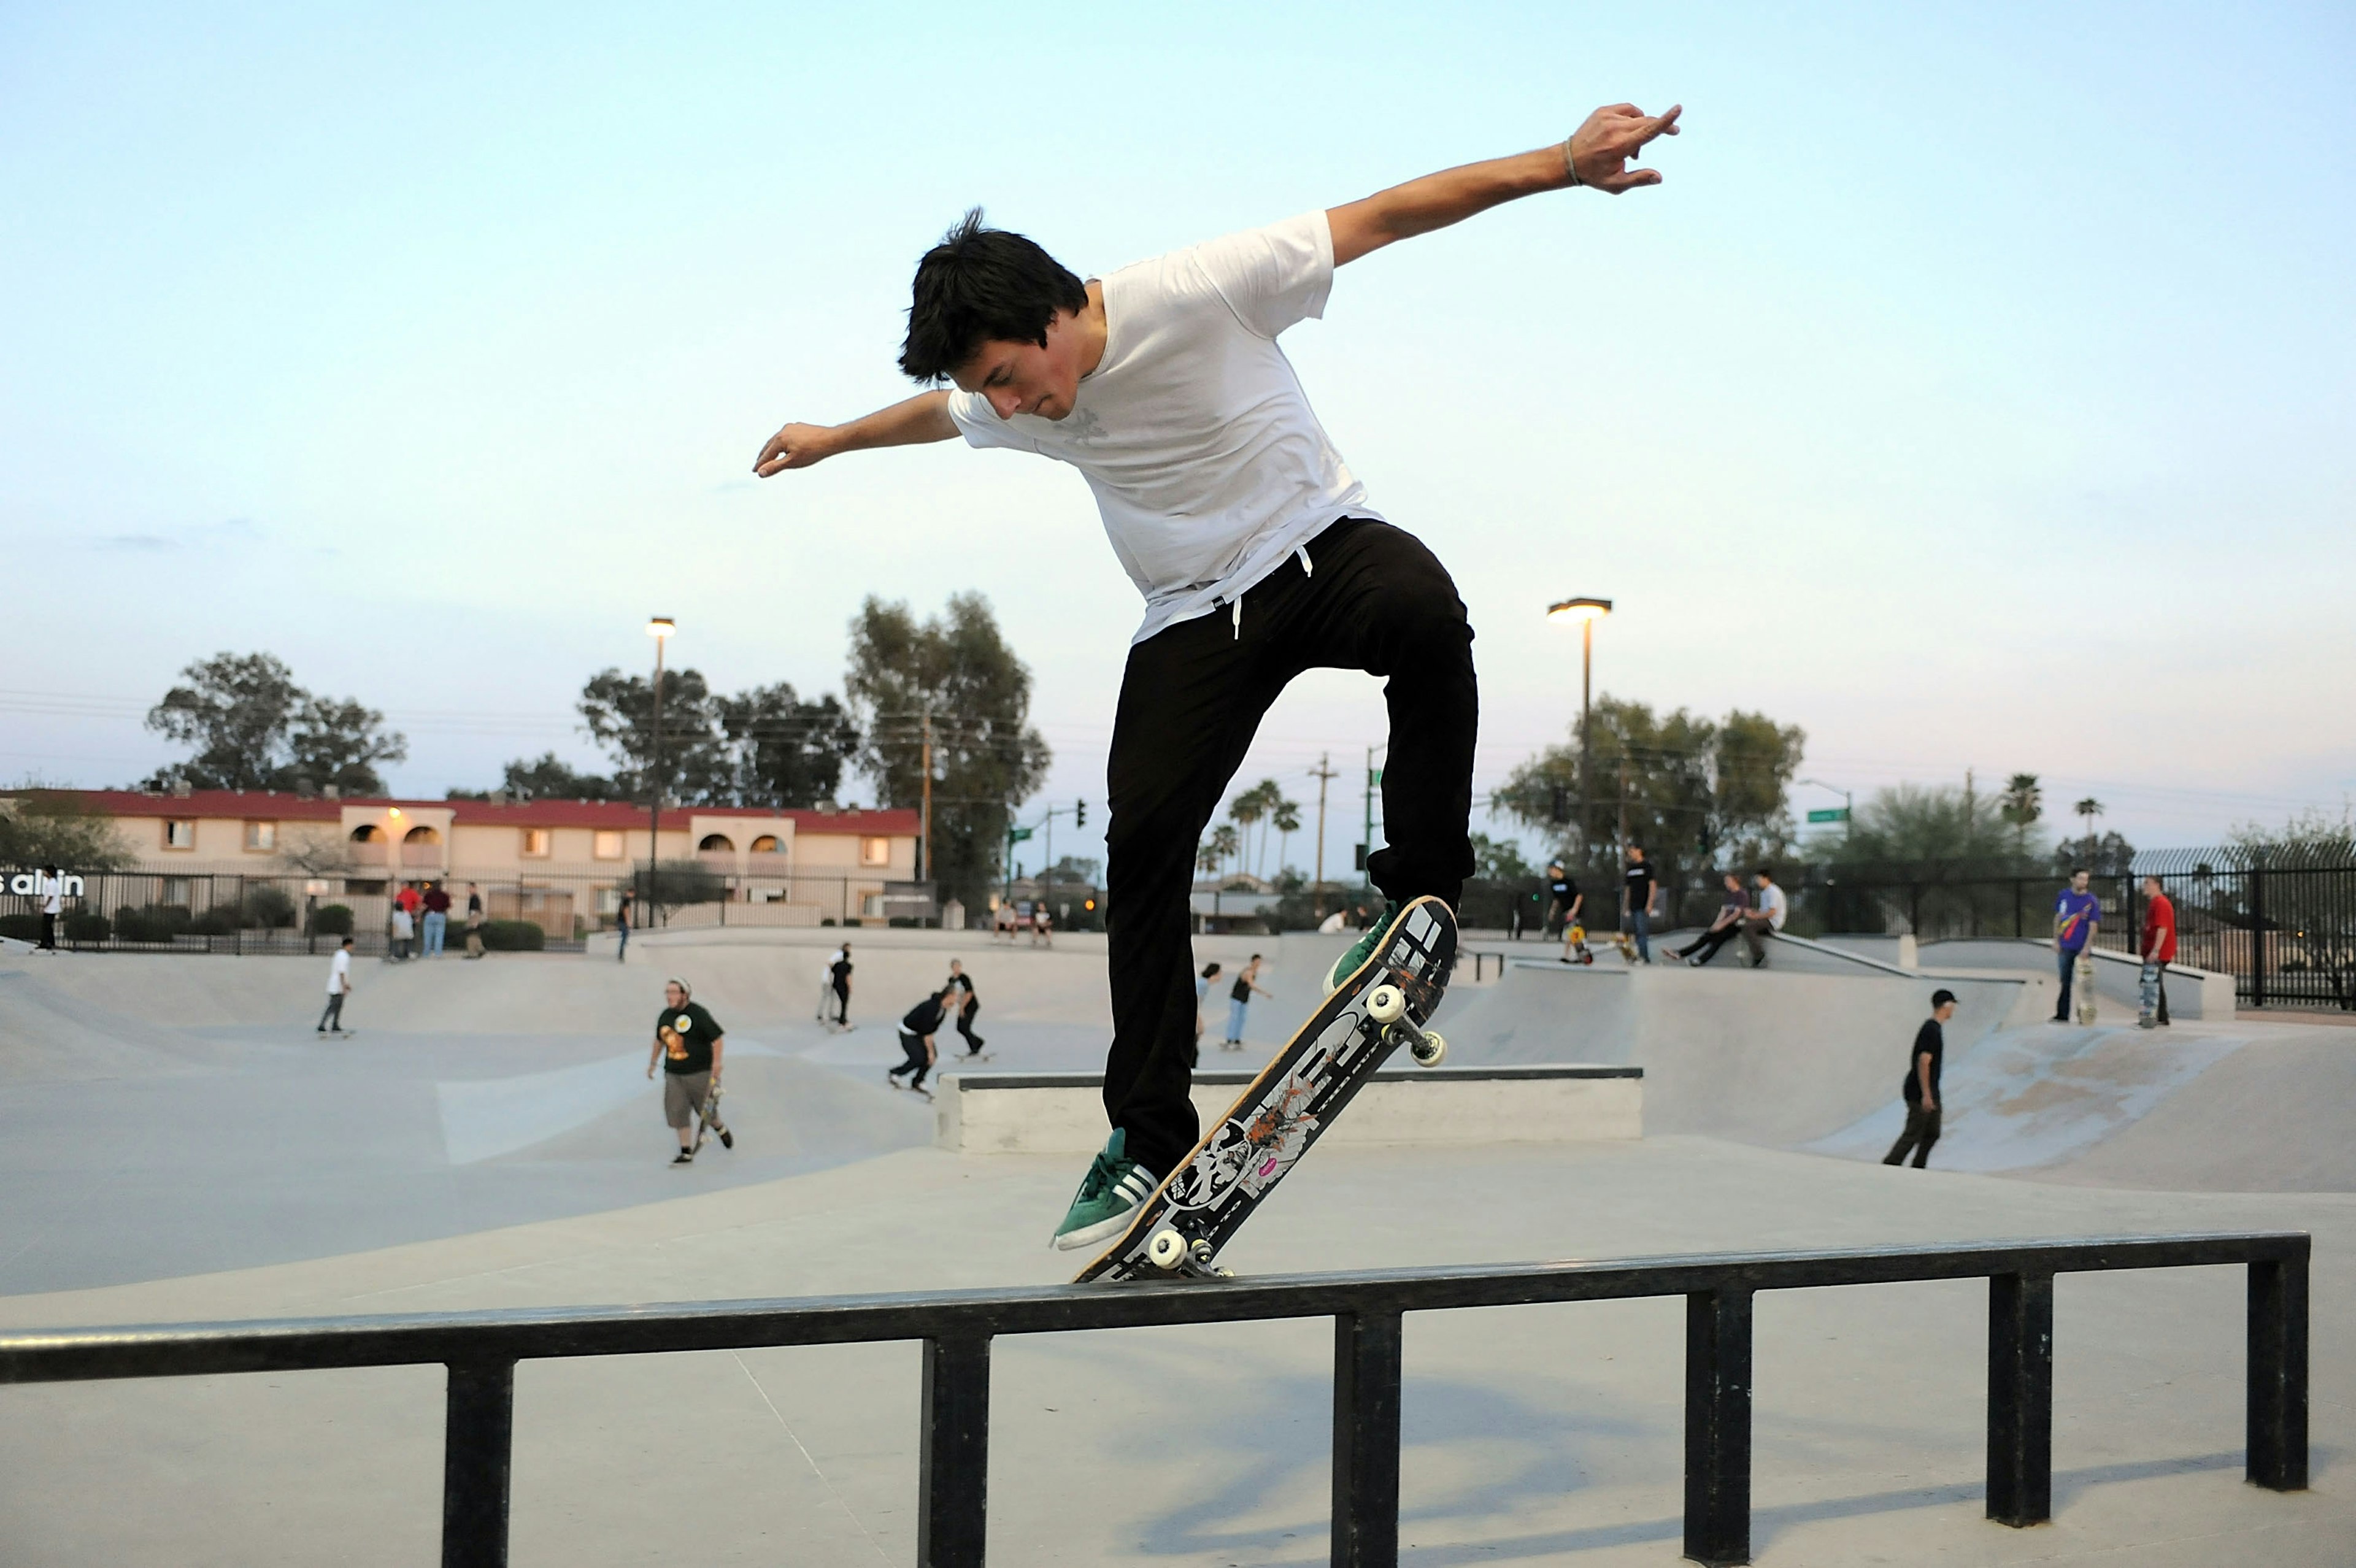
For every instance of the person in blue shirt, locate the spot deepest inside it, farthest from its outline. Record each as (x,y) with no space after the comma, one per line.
(2077,915)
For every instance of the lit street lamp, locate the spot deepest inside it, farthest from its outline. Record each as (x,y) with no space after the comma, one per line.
(660,628)
(1586,612)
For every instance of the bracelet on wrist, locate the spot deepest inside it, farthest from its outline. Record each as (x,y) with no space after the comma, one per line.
(1568,167)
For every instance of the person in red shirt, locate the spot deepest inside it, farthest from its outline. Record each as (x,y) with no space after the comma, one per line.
(2158,952)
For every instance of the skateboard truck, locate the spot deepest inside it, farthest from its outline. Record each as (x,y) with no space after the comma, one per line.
(1171,1252)
(1387,1005)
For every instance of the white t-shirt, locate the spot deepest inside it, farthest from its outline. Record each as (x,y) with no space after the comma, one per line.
(338,968)
(52,893)
(1773,905)
(1208,464)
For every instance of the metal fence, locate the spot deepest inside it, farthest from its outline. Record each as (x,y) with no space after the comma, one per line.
(300,912)
(481,1349)
(2282,926)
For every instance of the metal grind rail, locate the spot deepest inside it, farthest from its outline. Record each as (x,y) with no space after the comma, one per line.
(481,1349)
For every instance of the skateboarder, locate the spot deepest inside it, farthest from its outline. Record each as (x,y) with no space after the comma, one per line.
(339,986)
(2077,916)
(968,1004)
(1239,997)
(1566,902)
(839,972)
(1920,1088)
(917,1032)
(687,1044)
(1258,551)
(621,924)
(2158,953)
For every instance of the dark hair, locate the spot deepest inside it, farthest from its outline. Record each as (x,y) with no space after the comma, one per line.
(2080,871)
(1941,998)
(1209,970)
(980,285)
(1763,871)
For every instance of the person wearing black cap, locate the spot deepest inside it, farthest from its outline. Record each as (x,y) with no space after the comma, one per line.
(1921,1086)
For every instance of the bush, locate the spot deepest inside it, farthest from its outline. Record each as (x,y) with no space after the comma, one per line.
(23,927)
(513,936)
(88,925)
(269,906)
(332,920)
(221,920)
(155,923)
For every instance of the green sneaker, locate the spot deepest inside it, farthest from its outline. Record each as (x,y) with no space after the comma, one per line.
(1109,1193)
(1355,957)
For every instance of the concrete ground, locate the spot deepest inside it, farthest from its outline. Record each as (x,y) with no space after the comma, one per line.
(177,1147)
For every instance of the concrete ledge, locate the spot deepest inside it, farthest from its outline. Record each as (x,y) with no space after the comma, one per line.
(1063,1113)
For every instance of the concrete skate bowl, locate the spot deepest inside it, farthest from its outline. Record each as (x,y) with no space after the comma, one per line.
(1813,1060)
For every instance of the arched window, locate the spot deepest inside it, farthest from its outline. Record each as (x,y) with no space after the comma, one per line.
(368,833)
(766,844)
(717,841)
(422,834)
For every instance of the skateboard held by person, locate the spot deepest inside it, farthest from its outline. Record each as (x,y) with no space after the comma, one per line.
(1179,1230)
(2084,987)
(707,1119)
(1578,941)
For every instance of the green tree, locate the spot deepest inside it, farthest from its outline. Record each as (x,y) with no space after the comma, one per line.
(50,827)
(1697,793)
(1285,817)
(618,711)
(953,671)
(2312,838)
(1224,844)
(789,752)
(1909,823)
(545,778)
(251,726)
(1499,859)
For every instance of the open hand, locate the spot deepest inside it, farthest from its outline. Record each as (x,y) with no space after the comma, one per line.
(1614,136)
(795,446)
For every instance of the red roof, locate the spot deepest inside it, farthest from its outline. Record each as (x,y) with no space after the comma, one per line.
(277,806)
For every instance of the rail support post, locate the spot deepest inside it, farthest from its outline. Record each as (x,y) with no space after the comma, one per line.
(953,1486)
(477,1446)
(1718,1426)
(2278,1373)
(1366,1440)
(2020,1399)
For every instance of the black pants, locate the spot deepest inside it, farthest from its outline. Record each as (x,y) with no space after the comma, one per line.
(914,1044)
(1707,944)
(973,1042)
(49,932)
(334,1017)
(841,1003)
(1922,1132)
(1374,599)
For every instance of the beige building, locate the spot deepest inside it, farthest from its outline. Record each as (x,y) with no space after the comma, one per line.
(547,861)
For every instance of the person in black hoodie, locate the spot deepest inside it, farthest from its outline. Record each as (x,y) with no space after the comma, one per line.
(917,1032)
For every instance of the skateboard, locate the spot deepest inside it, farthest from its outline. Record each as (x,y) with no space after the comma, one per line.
(1626,944)
(1578,945)
(1178,1231)
(707,1116)
(2084,986)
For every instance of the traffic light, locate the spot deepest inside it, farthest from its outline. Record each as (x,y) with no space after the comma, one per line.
(1079,814)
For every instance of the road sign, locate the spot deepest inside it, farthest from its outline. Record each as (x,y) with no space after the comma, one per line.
(1833,814)
(1017,835)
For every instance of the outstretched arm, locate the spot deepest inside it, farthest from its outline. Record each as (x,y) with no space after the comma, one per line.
(924,417)
(1597,154)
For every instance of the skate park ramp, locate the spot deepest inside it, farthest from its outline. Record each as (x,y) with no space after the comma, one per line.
(1808,1056)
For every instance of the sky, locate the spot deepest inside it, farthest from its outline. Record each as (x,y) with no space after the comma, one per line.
(1976,393)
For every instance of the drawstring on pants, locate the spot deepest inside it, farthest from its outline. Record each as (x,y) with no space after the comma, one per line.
(1235,611)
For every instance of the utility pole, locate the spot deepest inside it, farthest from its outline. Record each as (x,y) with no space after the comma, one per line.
(1324,773)
(1623,805)
(1372,779)
(925,816)
(660,628)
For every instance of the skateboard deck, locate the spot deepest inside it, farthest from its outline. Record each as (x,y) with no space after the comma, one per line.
(1578,945)
(707,1116)
(2084,987)
(1180,1229)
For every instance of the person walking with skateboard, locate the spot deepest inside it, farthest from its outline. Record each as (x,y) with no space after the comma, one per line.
(1566,901)
(839,972)
(917,1032)
(966,1005)
(1258,554)
(2077,916)
(339,986)
(689,1046)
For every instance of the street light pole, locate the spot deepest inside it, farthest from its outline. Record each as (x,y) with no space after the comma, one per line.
(660,628)
(1586,611)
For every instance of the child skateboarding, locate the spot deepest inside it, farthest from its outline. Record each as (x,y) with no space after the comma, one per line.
(1258,554)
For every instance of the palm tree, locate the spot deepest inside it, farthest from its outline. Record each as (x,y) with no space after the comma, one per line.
(2023,804)
(1286,818)
(2088,808)
(1225,846)
(1247,808)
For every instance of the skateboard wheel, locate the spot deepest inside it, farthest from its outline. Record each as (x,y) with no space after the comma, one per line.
(1429,1050)
(1387,1004)
(1166,1249)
